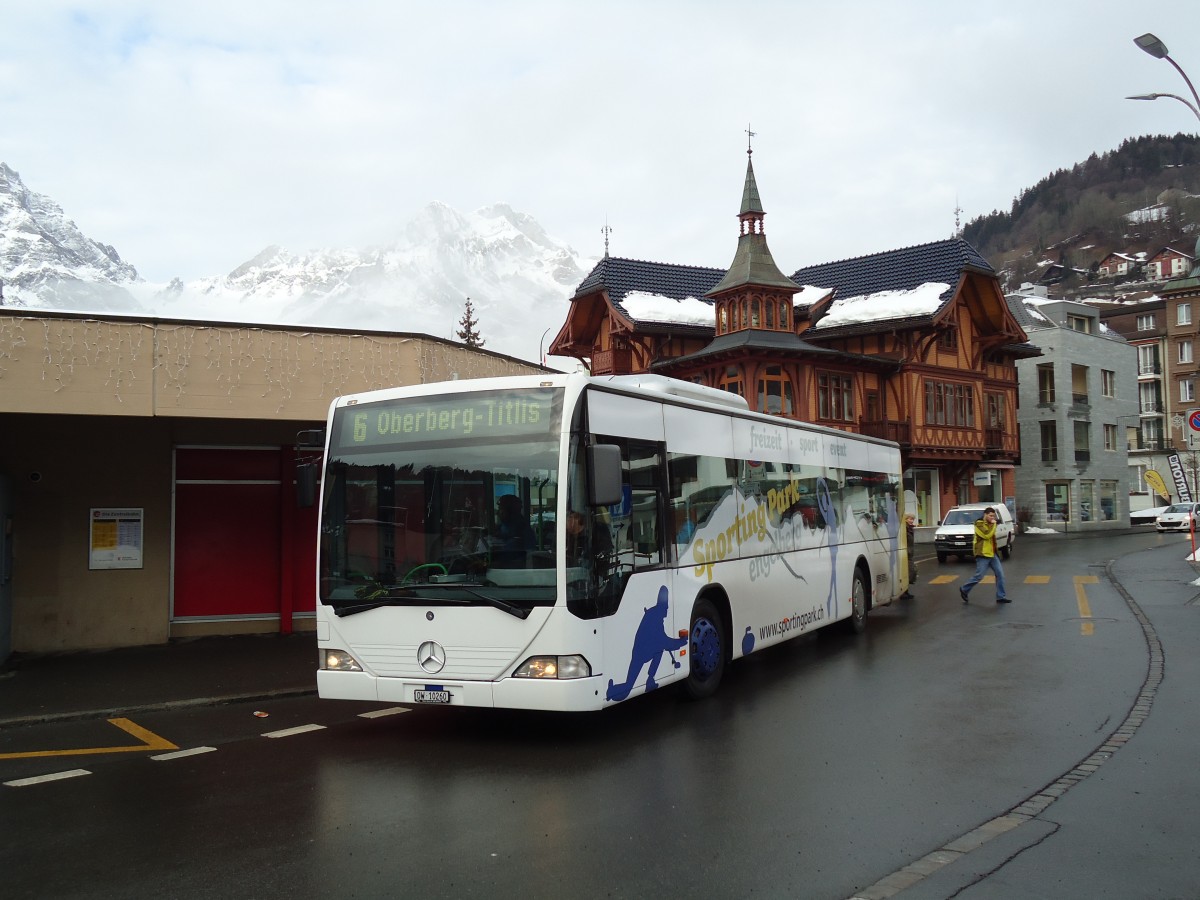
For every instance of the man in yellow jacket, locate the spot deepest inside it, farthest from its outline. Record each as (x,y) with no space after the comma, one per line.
(986,557)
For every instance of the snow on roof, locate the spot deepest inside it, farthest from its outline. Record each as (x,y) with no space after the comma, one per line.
(922,300)
(643,307)
(1037,315)
(646,307)
(810,294)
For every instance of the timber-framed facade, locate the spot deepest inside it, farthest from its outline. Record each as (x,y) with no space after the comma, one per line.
(916,345)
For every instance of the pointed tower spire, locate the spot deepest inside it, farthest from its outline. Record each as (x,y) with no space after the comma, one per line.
(752,264)
(751,203)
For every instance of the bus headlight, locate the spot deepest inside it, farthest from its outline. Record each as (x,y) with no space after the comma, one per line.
(339,661)
(574,666)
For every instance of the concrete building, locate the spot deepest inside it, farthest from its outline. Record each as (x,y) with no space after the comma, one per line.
(1074,400)
(146,469)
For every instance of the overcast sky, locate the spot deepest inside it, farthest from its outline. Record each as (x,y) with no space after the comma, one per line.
(190,136)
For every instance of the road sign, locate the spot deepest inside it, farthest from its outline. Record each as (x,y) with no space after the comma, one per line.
(1193,428)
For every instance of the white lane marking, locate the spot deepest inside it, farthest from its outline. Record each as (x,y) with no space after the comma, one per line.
(288,732)
(390,711)
(180,754)
(56,776)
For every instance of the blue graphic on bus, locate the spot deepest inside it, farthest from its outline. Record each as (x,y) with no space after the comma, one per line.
(650,642)
(747,641)
(825,505)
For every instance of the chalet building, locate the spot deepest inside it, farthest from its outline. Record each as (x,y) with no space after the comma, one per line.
(915,345)
(1168,263)
(1115,264)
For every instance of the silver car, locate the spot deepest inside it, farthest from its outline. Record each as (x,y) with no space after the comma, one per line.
(1177,517)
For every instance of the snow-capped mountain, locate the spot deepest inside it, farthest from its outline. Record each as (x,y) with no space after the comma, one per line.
(43,254)
(519,278)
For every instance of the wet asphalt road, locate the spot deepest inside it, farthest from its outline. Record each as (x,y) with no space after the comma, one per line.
(822,768)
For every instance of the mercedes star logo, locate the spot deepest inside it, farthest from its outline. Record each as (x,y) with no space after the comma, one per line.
(431,656)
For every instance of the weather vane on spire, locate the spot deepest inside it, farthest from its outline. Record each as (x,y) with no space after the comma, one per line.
(749,134)
(606,231)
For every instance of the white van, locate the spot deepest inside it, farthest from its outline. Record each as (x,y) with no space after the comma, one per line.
(956,535)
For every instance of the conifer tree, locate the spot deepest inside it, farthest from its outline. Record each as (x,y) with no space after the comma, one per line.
(468,333)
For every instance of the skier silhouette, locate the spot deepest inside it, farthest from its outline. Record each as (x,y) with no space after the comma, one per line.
(825,505)
(650,642)
(893,529)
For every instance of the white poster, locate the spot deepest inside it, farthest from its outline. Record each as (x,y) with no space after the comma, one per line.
(116,539)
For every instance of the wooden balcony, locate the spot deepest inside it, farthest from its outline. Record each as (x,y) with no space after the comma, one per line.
(900,432)
(613,362)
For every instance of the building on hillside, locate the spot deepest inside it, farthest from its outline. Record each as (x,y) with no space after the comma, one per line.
(1117,264)
(146,469)
(1168,263)
(1074,473)
(915,345)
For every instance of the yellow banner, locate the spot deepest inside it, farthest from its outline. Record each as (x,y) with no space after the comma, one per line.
(1156,481)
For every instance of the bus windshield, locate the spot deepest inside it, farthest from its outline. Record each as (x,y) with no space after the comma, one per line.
(442,501)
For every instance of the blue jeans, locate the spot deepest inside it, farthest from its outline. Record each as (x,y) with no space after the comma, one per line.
(982,564)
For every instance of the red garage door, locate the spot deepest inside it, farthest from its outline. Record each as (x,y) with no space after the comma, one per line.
(242,547)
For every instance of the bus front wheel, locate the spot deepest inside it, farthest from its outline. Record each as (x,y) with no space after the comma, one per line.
(857,623)
(707,643)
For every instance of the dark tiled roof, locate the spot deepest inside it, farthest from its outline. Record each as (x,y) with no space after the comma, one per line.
(897,270)
(777,342)
(1016,305)
(623,276)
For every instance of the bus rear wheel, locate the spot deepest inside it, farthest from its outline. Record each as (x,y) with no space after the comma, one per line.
(707,644)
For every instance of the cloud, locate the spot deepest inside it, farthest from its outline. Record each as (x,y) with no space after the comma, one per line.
(191,136)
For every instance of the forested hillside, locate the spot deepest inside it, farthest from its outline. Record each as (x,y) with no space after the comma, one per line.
(1140,197)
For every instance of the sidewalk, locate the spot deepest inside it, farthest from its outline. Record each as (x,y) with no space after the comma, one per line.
(196,671)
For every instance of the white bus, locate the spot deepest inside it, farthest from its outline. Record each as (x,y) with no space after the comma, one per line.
(564,542)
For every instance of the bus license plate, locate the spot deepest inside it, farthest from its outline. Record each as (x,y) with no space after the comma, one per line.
(431,696)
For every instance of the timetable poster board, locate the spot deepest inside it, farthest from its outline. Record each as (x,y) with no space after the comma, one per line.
(116,539)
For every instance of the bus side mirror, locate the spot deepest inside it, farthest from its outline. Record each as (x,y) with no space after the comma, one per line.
(604,474)
(306,484)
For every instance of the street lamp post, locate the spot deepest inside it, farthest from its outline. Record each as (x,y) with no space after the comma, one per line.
(1158,50)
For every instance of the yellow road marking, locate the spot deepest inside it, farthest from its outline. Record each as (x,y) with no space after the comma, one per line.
(943,579)
(1037,579)
(149,741)
(1085,610)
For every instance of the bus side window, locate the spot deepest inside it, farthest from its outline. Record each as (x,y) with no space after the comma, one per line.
(638,524)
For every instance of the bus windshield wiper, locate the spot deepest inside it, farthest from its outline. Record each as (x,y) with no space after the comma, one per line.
(397,595)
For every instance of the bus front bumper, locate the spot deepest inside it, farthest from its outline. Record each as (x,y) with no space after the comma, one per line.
(560,695)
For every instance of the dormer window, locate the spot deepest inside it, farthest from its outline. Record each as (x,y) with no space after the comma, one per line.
(948,339)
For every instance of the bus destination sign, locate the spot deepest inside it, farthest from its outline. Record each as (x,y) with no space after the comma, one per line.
(492,414)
